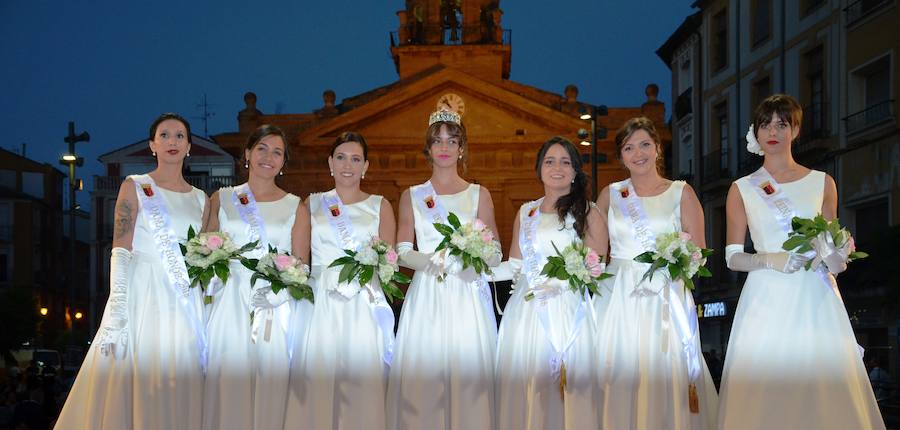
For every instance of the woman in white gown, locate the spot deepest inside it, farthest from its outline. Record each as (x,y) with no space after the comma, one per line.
(339,377)
(246,385)
(651,370)
(538,336)
(792,360)
(442,376)
(144,369)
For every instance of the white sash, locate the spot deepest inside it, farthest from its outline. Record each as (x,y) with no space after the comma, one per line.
(435,212)
(531,262)
(782,208)
(245,203)
(153,208)
(684,313)
(342,227)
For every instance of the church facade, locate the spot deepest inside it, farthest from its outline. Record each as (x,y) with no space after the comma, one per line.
(448,55)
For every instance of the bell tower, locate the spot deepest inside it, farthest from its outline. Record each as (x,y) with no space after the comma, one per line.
(462,34)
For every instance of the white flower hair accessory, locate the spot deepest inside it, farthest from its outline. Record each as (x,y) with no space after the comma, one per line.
(752,143)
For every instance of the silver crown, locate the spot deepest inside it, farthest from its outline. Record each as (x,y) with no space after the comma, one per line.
(445,116)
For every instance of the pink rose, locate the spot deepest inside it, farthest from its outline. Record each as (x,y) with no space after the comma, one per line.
(696,256)
(684,236)
(283,262)
(391,256)
(487,236)
(596,271)
(214,242)
(851,245)
(478,225)
(592,259)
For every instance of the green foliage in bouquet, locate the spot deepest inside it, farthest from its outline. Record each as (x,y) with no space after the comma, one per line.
(804,230)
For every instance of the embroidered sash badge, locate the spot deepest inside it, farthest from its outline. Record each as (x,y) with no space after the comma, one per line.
(148,190)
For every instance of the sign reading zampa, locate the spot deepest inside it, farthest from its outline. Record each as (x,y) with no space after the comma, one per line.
(713,309)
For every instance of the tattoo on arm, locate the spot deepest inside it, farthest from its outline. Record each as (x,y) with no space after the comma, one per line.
(124,222)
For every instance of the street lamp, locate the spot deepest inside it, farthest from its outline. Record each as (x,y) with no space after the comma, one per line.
(71,160)
(592,113)
(45,311)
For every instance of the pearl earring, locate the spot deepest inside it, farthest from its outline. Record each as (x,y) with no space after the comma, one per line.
(188,154)
(281,173)
(246,164)
(460,156)
(153,152)
(331,172)
(363,176)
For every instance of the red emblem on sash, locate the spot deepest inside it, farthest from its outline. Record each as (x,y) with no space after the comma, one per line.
(335,210)
(148,190)
(624,193)
(243,199)
(768,188)
(429,201)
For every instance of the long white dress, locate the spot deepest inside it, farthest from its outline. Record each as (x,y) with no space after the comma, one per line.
(642,369)
(339,380)
(528,395)
(159,383)
(246,383)
(792,360)
(442,376)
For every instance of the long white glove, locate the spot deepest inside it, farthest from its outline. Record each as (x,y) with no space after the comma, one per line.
(113,333)
(416,260)
(507,270)
(785,262)
(264,298)
(835,258)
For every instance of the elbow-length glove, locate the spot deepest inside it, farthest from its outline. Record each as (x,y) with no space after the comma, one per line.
(113,333)
(785,262)
(416,260)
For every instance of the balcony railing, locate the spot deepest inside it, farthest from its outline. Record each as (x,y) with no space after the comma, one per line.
(208,184)
(861,9)
(715,166)
(441,35)
(873,115)
(814,130)
(684,103)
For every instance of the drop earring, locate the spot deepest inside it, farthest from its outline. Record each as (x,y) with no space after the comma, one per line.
(460,156)
(281,173)
(331,172)
(246,164)
(153,152)
(363,176)
(188,154)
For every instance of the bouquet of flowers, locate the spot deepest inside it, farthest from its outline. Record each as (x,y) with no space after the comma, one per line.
(577,264)
(282,271)
(825,237)
(206,256)
(679,256)
(470,245)
(375,257)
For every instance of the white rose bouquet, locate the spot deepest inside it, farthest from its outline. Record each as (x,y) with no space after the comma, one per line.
(375,257)
(682,259)
(283,272)
(579,265)
(464,246)
(206,256)
(833,244)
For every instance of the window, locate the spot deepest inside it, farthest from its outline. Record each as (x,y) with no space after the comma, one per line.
(871,222)
(721,121)
(762,88)
(33,184)
(719,33)
(870,95)
(686,149)
(815,112)
(762,21)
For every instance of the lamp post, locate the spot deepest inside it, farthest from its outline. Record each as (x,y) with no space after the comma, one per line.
(71,160)
(591,113)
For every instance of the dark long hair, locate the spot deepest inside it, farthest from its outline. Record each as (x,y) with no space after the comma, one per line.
(576,202)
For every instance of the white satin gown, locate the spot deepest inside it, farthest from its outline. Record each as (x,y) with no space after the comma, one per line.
(528,395)
(339,380)
(159,383)
(642,369)
(442,377)
(246,384)
(792,360)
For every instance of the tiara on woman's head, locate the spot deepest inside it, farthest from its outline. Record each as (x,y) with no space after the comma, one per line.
(445,116)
